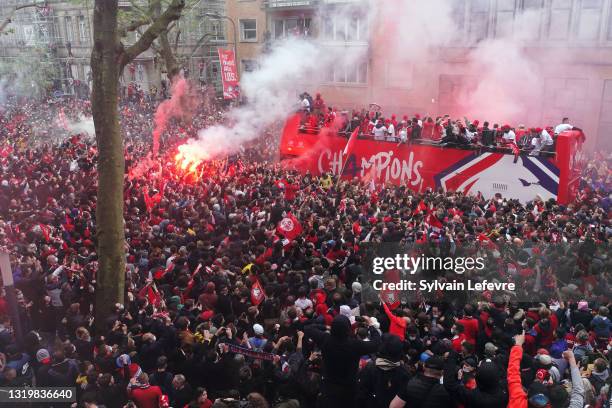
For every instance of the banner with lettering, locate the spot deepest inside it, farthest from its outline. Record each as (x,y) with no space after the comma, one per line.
(426,165)
(229,74)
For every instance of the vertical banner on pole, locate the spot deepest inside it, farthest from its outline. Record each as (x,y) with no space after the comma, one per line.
(5,269)
(229,74)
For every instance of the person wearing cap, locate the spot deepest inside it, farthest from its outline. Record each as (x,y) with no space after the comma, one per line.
(341,354)
(258,341)
(425,390)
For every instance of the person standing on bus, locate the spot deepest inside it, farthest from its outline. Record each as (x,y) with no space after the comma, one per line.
(488,135)
(543,142)
(416,128)
(390,131)
(379,130)
(563,126)
(509,136)
(524,141)
(403,132)
(319,106)
(428,128)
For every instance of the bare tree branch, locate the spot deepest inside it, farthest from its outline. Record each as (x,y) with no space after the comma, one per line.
(160,24)
(8,19)
(134,25)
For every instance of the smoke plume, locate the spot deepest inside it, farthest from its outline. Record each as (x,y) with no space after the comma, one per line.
(179,106)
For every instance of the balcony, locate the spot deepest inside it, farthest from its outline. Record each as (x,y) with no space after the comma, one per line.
(287,4)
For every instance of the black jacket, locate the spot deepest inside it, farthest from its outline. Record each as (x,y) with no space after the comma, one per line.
(340,352)
(488,392)
(377,387)
(425,392)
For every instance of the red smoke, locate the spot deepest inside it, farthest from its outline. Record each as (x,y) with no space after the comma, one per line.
(179,106)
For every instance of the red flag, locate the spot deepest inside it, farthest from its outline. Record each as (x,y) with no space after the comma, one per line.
(433,222)
(257,293)
(150,293)
(45,231)
(289,227)
(348,149)
(420,208)
(391,297)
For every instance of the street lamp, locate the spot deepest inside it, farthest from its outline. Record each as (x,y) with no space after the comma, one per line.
(219,16)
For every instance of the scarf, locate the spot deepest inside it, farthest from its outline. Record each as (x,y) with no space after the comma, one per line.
(385,364)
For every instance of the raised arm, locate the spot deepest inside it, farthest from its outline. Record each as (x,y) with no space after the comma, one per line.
(517,397)
(577,395)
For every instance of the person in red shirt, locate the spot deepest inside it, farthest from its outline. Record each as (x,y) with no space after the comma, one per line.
(290,189)
(142,393)
(545,328)
(398,322)
(428,129)
(470,323)
(458,336)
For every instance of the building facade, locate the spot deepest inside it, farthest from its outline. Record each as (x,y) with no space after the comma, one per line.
(579,87)
(251,35)
(62,31)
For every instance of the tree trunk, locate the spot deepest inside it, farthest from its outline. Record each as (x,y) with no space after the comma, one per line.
(172,65)
(111,164)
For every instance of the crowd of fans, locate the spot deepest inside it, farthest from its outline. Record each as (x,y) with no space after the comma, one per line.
(442,129)
(223,309)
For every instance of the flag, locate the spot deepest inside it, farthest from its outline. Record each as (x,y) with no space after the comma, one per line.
(433,222)
(257,293)
(486,241)
(351,143)
(420,208)
(289,227)
(369,179)
(45,231)
(391,297)
(150,292)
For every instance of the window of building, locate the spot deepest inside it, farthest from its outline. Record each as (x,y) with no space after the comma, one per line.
(69,29)
(216,30)
(560,19)
(249,65)
(589,19)
(83,32)
(291,27)
(353,74)
(248,30)
(345,29)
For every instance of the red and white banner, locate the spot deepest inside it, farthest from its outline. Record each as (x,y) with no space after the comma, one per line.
(257,293)
(229,74)
(391,297)
(289,227)
(422,166)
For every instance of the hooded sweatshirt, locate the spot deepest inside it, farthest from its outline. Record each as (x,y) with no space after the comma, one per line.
(341,352)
